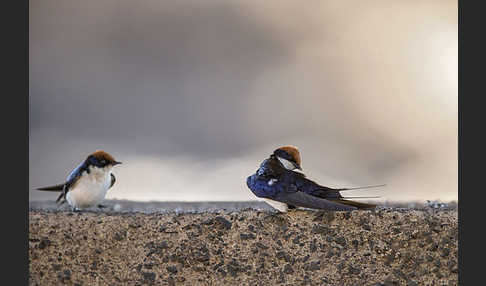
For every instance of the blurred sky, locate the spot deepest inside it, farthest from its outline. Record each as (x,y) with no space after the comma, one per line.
(192,95)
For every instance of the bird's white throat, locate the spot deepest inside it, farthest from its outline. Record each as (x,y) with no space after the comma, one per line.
(286,163)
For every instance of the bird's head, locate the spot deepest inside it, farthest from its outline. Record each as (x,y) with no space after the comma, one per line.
(101,159)
(289,157)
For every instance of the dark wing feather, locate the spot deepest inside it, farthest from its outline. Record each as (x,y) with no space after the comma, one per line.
(113,180)
(76,173)
(308,201)
(313,189)
(62,197)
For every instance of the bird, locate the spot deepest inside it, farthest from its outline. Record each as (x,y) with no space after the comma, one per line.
(87,185)
(283,188)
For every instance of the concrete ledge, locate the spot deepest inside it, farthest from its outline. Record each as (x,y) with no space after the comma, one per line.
(382,247)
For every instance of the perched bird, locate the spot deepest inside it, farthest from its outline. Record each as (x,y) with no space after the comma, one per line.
(283,188)
(87,184)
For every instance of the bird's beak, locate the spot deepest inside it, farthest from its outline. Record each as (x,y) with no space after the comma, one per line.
(116,163)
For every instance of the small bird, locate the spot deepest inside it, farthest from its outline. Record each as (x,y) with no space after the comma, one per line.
(88,183)
(283,188)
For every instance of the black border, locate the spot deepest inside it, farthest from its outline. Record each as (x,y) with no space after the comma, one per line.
(470,185)
(15,135)
(464,277)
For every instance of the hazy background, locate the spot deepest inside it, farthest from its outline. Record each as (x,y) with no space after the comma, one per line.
(192,95)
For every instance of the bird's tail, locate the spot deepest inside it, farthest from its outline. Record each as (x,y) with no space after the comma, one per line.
(56,188)
(358,188)
(359,205)
(355,204)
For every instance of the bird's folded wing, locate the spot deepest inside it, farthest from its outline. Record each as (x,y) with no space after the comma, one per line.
(307,201)
(76,174)
(312,188)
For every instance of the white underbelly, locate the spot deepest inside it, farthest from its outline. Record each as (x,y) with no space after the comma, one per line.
(283,207)
(89,191)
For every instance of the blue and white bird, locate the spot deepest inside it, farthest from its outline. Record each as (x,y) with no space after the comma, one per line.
(87,185)
(283,188)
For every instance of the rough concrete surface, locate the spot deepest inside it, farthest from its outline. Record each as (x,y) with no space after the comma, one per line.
(387,246)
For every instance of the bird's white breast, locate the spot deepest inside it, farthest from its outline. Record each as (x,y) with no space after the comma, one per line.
(283,207)
(90,189)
